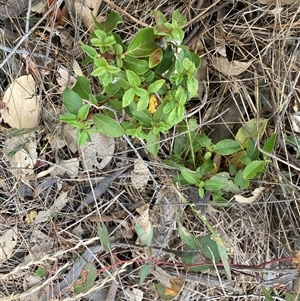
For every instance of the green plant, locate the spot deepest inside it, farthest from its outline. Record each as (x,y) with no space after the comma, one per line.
(199,160)
(150,79)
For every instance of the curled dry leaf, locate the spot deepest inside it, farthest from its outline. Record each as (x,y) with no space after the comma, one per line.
(255,195)
(98,153)
(230,68)
(22,103)
(7,243)
(140,174)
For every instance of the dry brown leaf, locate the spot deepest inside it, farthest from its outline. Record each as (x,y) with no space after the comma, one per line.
(296,261)
(255,195)
(230,68)
(140,174)
(22,103)
(7,243)
(98,153)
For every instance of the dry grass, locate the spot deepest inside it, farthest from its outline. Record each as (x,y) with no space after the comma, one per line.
(255,233)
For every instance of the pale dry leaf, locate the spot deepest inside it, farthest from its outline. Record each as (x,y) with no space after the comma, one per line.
(140,174)
(8,242)
(295,119)
(162,276)
(70,136)
(255,195)
(77,69)
(58,204)
(22,103)
(86,9)
(230,68)
(98,153)
(66,167)
(64,78)
(23,161)
(40,7)
(134,294)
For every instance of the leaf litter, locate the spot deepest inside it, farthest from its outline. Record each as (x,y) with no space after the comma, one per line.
(247,53)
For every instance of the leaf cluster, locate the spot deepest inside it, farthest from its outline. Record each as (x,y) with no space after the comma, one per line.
(150,79)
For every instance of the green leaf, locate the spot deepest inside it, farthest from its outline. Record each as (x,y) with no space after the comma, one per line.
(133,79)
(140,67)
(155,86)
(187,237)
(68,117)
(223,255)
(82,87)
(253,128)
(112,20)
(143,44)
(91,273)
(144,272)
(227,147)
(83,112)
(144,236)
(41,272)
(159,17)
(190,176)
(267,294)
(83,138)
(209,248)
(178,35)
(178,18)
(201,140)
(143,101)
(155,58)
(128,97)
(192,86)
(269,145)
(72,101)
(166,62)
(143,116)
(294,141)
(90,51)
(112,69)
(253,170)
(252,151)
(108,126)
(153,143)
(240,181)
(104,237)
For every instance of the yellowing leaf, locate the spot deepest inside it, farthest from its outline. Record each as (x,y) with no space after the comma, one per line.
(176,285)
(22,103)
(30,217)
(153,104)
